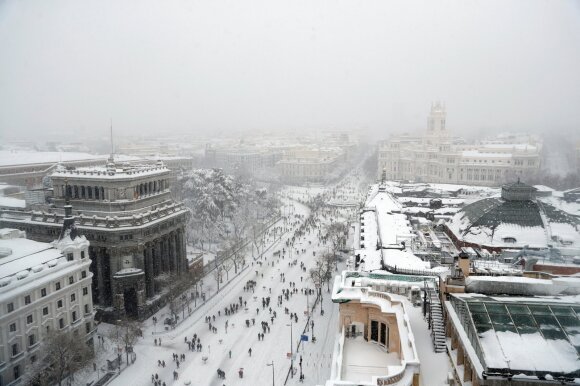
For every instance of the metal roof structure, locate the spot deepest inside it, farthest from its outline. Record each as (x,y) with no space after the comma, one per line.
(531,336)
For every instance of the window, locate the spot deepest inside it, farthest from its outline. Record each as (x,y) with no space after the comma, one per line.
(74,316)
(374,330)
(71,280)
(57,286)
(33,359)
(27,299)
(31,340)
(86,309)
(82,254)
(59,304)
(45,311)
(29,319)
(69,257)
(88,327)
(43,292)
(61,323)
(13,327)
(85,290)
(16,371)
(84,274)
(73,297)
(15,349)
(383,334)
(10,307)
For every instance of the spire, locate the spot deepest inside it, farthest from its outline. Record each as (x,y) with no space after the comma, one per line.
(68,226)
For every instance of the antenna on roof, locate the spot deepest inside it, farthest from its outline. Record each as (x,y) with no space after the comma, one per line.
(112,146)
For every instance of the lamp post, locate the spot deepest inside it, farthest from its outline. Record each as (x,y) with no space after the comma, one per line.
(271,364)
(291,351)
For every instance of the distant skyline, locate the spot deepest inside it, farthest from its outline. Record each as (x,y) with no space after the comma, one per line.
(225,66)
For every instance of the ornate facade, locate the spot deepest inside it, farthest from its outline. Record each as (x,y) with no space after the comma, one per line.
(437,157)
(135,228)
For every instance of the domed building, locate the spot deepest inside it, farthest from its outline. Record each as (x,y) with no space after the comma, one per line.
(515,220)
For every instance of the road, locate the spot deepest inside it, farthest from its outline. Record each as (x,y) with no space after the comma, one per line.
(239,339)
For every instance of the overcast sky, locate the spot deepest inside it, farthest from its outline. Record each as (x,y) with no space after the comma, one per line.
(204,66)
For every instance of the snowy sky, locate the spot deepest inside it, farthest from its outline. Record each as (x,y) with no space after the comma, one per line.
(201,66)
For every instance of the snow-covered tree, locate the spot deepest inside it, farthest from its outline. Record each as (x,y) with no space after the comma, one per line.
(61,355)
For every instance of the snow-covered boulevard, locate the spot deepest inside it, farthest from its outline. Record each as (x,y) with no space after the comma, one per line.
(238,350)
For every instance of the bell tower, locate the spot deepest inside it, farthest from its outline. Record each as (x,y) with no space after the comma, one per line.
(436,121)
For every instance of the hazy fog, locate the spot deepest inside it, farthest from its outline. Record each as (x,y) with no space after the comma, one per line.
(205,66)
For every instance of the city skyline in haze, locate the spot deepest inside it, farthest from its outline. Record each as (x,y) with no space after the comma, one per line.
(225,67)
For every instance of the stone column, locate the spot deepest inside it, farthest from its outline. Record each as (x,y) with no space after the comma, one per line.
(173,253)
(181,252)
(99,255)
(149,273)
(163,259)
(155,257)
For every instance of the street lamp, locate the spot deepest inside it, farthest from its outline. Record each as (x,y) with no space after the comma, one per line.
(291,351)
(271,364)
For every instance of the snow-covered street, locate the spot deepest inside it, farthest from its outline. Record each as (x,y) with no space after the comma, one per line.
(228,348)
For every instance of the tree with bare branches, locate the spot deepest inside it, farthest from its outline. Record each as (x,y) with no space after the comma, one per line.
(218,276)
(126,334)
(61,355)
(337,234)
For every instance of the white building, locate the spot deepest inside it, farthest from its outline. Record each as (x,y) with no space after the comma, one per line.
(436,157)
(43,287)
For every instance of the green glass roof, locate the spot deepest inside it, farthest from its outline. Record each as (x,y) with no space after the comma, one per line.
(535,328)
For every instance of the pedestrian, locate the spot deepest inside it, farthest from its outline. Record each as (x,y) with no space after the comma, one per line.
(155,341)
(230,353)
(250,351)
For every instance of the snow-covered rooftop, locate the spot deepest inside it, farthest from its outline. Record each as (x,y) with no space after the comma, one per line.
(102,172)
(11,157)
(23,261)
(11,202)
(532,338)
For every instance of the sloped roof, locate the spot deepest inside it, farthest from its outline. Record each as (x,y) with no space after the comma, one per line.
(510,333)
(491,221)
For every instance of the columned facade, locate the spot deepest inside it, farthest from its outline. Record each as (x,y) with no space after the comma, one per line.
(134,227)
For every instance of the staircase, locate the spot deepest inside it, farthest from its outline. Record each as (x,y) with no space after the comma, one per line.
(436,316)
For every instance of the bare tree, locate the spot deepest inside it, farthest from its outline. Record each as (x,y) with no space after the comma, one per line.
(337,233)
(227,265)
(322,271)
(61,355)
(127,333)
(218,275)
(176,285)
(239,258)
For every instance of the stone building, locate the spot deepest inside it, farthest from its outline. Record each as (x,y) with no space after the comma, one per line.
(135,229)
(310,164)
(436,156)
(43,287)
(374,324)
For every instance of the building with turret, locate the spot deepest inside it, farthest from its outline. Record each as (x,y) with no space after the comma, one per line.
(436,156)
(136,230)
